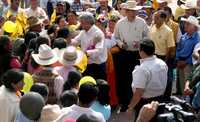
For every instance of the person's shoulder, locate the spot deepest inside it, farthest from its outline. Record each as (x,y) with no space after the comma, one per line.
(198,34)
(64,114)
(122,20)
(140,20)
(174,23)
(27,9)
(98,115)
(168,29)
(107,107)
(40,9)
(65,110)
(160,61)
(97,29)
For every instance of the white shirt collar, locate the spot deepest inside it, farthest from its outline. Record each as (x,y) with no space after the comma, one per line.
(78,108)
(147,59)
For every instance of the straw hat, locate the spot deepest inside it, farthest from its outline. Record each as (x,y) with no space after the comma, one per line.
(50,113)
(33,21)
(183,1)
(189,4)
(46,55)
(132,5)
(163,1)
(70,55)
(192,20)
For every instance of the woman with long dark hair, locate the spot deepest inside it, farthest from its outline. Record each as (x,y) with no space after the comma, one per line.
(7,60)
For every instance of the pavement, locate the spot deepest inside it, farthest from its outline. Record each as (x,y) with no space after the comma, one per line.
(121,117)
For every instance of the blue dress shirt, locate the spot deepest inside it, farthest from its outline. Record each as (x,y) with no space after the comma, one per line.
(186,46)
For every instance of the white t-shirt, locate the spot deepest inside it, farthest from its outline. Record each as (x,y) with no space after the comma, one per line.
(151,76)
(75,111)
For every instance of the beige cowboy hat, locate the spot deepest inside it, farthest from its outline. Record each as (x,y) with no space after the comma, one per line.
(192,20)
(50,113)
(70,56)
(163,1)
(46,55)
(33,21)
(131,5)
(183,1)
(189,4)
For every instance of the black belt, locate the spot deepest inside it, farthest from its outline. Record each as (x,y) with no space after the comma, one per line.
(144,101)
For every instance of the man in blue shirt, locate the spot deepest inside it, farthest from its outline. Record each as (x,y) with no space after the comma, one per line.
(185,49)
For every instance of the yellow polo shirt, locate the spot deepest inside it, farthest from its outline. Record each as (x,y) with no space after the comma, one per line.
(163,39)
(179,12)
(174,26)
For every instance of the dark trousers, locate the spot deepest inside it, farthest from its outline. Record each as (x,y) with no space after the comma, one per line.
(97,71)
(143,101)
(168,89)
(125,62)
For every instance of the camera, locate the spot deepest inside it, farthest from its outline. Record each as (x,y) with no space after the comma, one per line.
(175,111)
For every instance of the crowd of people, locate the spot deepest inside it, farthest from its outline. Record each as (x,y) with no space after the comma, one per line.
(80,60)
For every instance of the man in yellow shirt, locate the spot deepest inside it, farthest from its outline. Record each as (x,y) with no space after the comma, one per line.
(17,15)
(179,10)
(162,36)
(170,23)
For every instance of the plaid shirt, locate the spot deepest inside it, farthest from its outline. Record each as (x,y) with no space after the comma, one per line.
(77,7)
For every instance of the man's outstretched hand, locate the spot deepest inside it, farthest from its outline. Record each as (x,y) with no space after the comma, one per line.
(147,112)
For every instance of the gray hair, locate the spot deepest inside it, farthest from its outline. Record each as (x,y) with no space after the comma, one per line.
(88,17)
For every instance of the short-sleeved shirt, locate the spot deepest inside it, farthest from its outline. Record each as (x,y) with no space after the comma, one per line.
(151,76)
(163,39)
(104,109)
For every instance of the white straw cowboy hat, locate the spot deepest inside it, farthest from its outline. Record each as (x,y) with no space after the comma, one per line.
(192,20)
(163,1)
(50,113)
(46,55)
(70,55)
(131,5)
(189,4)
(183,1)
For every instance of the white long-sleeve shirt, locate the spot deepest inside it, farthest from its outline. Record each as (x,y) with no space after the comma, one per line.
(131,33)
(96,51)
(39,12)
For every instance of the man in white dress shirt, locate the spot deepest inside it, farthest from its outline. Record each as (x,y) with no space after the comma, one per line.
(129,31)
(92,41)
(149,78)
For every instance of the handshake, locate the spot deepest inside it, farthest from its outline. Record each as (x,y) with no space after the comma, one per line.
(147,112)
